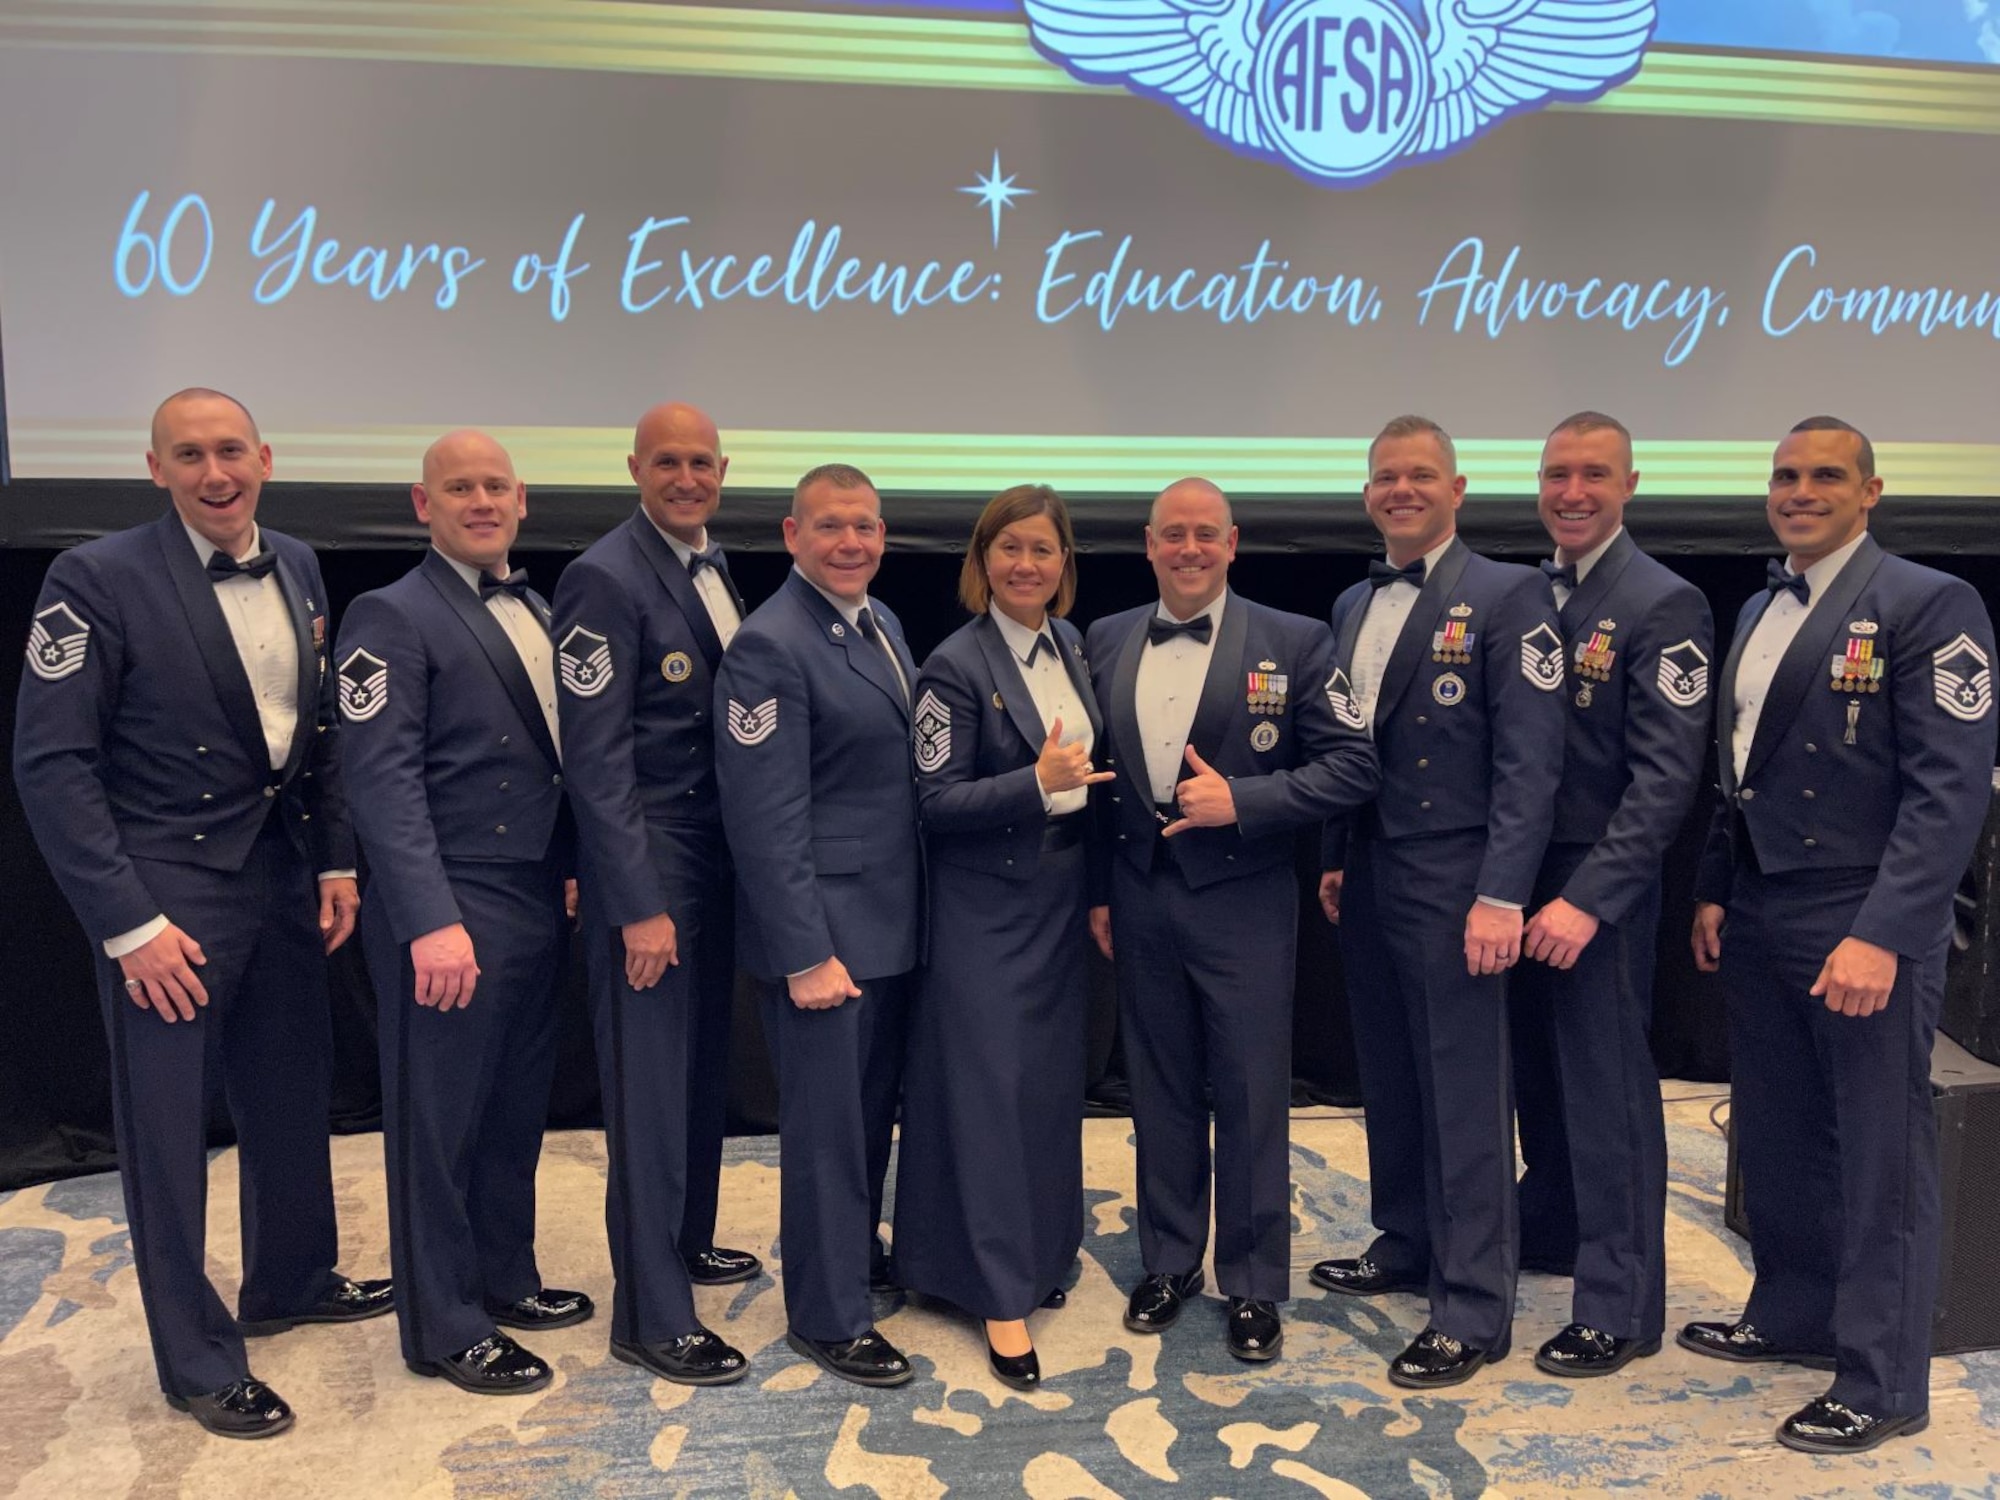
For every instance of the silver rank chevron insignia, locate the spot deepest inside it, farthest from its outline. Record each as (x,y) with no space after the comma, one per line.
(1962,679)
(1542,658)
(58,643)
(932,728)
(585,659)
(364,686)
(752,726)
(1347,91)
(1683,675)
(1340,698)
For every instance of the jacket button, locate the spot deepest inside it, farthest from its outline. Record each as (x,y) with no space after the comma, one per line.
(555,780)
(270,791)
(1811,749)
(1423,763)
(305,817)
(1425,806)
(501,829)
(199,837)
(1749,794)
(506,739)
(1121,838)
(1809,794)
(201,749)
(1812,843)
(1010,829)
(1229,859)
(1114,801)
(1423,718)
(697,716)
(505,784)
(1010,861)
(208,796)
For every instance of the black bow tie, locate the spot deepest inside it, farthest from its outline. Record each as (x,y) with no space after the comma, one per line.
(1201,627)
(1562,573)
(221,565)
(515,583)
(1778,578)
(1042,643)
(707,557)
(1381,574)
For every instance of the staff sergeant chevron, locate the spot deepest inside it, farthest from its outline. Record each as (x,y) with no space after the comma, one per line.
(1348,91)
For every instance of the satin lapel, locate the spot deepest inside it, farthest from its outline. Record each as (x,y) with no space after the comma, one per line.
(212,638)
(1224,687)
(1725,698)
(1125,708)
(1350,631)
(1419,626)
(301,608)
(1586,598)
(735,594)
(499,649)
(679,584)
(1071,646)
(1805,660)
(1009,685)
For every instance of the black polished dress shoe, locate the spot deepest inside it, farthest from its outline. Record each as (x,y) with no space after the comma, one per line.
(698,1358)
(868,1360)
(1435,1360)
(347,1302)
(247,1409)
(495,1366)
(1021,1371)
(1823,1425)
(1360,1277)
(1581,1351)
(551,1307)
(1742,1344)
(1055,1299)
(882,1275)
(1255,1334)
(1156,1302)
(716,1266)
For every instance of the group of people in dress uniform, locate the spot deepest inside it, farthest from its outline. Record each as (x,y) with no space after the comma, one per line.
(911,859)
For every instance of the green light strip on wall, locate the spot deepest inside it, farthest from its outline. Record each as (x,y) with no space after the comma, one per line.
(980,463)
(901,50)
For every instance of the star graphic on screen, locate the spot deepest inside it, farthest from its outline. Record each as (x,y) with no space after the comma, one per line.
(996,192)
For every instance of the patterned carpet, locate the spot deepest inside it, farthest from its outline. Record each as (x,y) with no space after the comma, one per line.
(1121,1414)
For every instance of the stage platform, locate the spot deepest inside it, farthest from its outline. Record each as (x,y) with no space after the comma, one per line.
(1120,1415)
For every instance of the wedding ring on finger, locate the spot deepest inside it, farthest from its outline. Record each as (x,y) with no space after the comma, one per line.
(132,986)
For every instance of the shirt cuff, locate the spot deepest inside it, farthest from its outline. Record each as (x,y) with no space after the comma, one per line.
(137,938)
(338,875)
(1503,905)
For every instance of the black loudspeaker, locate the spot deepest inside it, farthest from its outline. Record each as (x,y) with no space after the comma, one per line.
(1966,1093)
(1971,1015)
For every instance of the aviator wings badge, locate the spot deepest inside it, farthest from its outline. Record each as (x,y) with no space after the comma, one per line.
(1347,91)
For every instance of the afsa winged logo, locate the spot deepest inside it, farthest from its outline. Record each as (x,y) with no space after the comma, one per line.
(1347,91)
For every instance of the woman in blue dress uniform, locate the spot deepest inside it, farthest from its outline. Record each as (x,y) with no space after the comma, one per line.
(989,1182)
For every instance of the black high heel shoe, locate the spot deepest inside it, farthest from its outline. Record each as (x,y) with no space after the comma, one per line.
(1021,1371)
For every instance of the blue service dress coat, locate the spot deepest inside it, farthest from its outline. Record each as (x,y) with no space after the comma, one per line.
(637,659)
(1867,781)
(989,1178)
(464,822)
(813,766)
(1639,643)
(1205,930)
(145,774)
(1469,728)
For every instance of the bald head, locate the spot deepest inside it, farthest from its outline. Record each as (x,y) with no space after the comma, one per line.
(198,395)
(1201,491)
(470,499)
(677,462)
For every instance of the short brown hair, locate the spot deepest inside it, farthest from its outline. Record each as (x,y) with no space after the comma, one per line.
(1415,426)
(1865,459)
(1596,421)
(1002,511)
(840,476)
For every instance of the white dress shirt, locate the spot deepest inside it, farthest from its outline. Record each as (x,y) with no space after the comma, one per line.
(260,623)
(1584,564)
(722,613)
(1770,638)
(1054,697)
(1381,626)
(530,639)
(1166,693)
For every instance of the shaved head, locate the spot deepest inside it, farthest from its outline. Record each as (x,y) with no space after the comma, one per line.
(677,462)
(467,447)
(676,418)
(1194,489)
(197,393)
